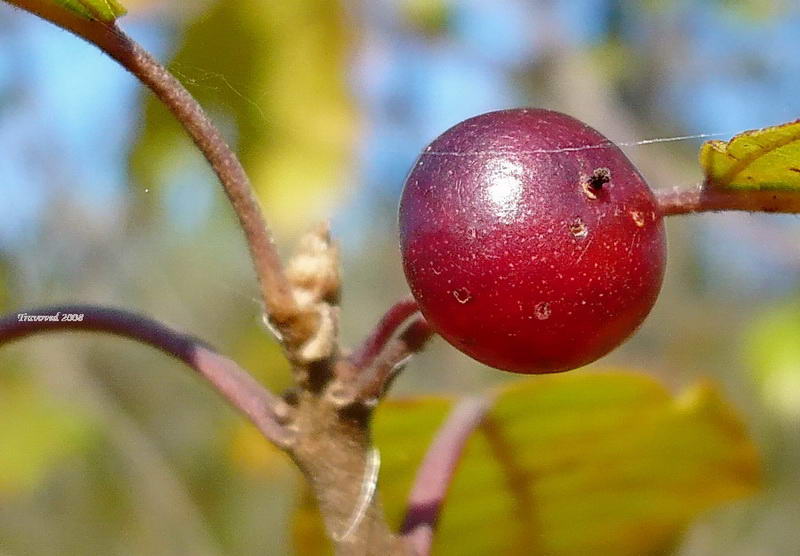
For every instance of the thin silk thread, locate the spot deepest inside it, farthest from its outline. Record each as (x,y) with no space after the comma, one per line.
(603,145)
(207,75)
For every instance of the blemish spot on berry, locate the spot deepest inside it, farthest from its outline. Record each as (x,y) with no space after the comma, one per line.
(462,295)
(578,228)
(542,310)
(638,218)
(593,184)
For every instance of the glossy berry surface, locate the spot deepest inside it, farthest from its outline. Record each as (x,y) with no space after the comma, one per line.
(530,241)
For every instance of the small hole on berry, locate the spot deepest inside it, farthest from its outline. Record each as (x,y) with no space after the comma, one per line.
(578,228)
(542,310)
(593,184)
(462,295)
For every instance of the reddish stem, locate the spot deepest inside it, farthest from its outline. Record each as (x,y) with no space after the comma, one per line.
(240,389)
(437,470)
(372,345)
(702,198)
(375,379)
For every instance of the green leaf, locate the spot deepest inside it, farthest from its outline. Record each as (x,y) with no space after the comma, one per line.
(101,10)
(573,464)
(597,464)
(36,434)
(273,75)
(767,159)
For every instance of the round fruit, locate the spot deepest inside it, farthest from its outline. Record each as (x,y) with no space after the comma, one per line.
(529,240)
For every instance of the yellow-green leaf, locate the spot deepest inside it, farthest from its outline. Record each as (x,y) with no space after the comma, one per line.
(606,464)
(273,75)
(574,464)
(101,10)
(766,159)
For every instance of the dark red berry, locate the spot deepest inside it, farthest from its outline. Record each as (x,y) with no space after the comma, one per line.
(530,241)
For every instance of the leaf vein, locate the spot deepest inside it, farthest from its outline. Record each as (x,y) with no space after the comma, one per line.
(743,163)
(519,482)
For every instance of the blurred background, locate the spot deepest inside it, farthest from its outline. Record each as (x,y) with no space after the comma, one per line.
(107,447)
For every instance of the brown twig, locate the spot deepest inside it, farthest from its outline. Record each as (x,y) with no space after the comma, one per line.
(330,445)
(295,325)
(702,198)
(437,470)
(241,390)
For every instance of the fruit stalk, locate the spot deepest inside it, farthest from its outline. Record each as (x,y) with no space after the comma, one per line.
(372,345)
(702,198)
(374,381)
